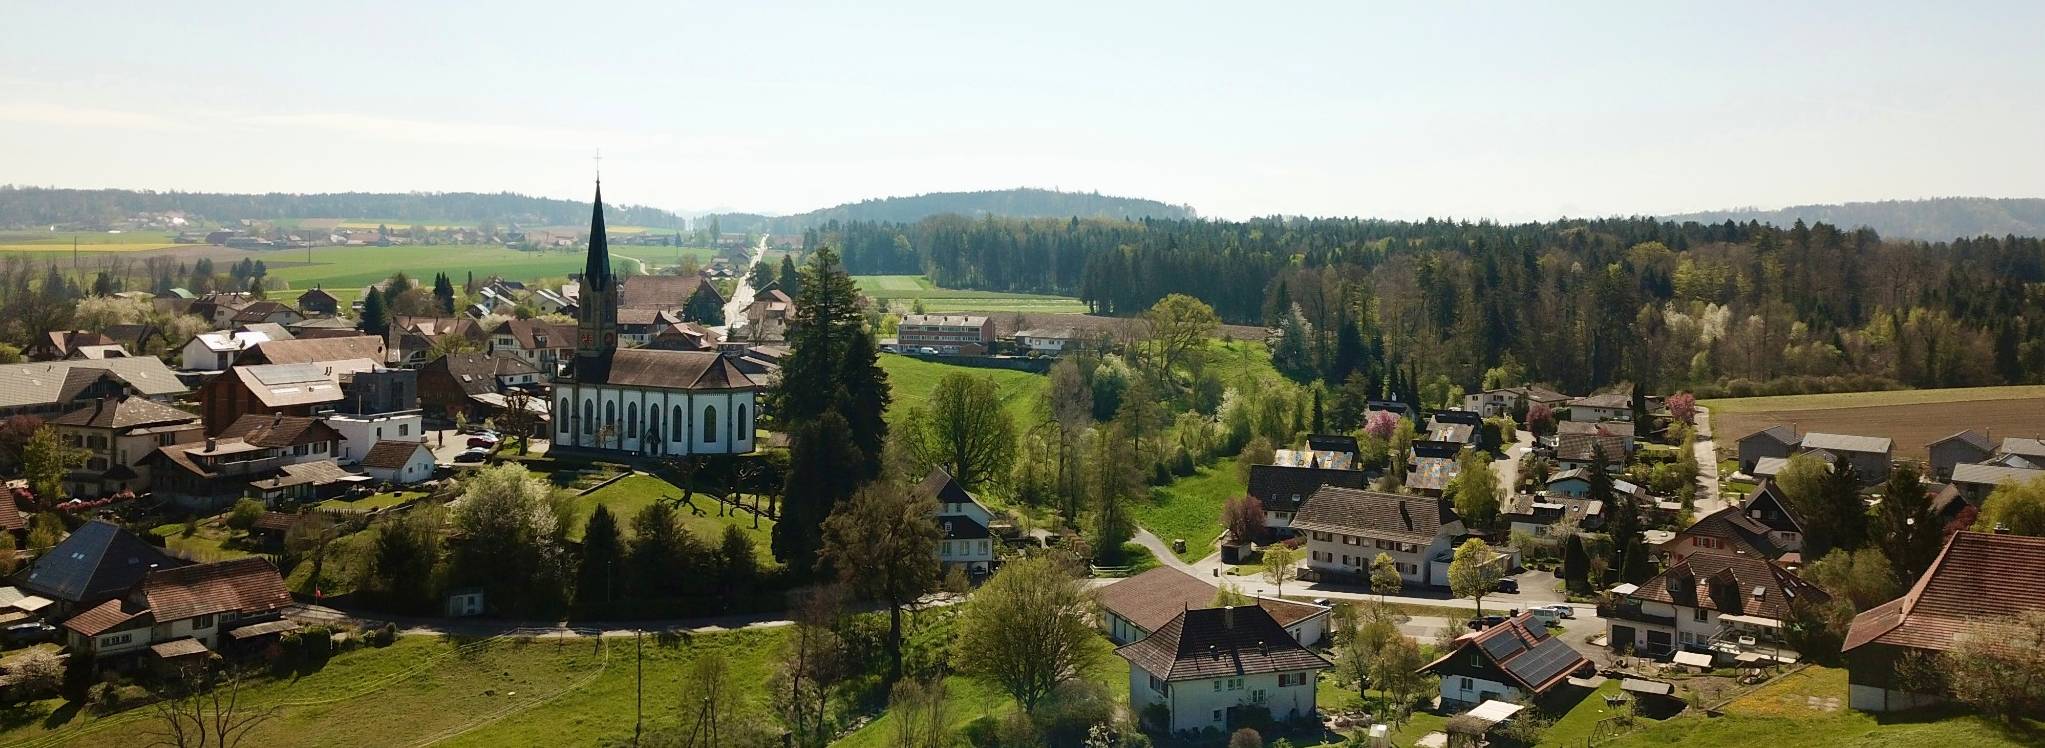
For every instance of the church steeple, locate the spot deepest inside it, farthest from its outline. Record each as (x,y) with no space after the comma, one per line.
(598,267)
(596,314)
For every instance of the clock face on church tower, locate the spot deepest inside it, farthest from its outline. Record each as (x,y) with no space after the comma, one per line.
(588,339)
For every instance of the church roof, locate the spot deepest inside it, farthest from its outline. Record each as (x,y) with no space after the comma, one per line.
(673,370)
(596,270)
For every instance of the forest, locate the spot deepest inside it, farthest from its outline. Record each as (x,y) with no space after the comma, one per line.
(41,206)
(1725,308)
(1015,203)
(1929,220)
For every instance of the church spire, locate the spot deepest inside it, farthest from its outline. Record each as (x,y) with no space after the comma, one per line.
(597,269)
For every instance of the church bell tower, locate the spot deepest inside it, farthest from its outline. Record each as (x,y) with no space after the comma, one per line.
(596,314)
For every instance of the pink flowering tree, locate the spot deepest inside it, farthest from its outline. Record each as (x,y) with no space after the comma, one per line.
(1381,424)
(1683,406)
(1540,418)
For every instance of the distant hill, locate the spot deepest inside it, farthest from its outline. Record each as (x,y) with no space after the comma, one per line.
(1015,203)
(1935,219)
(39,206)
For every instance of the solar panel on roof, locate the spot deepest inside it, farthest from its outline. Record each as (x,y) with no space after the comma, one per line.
(286,373)
(1545,661)
(1502,647)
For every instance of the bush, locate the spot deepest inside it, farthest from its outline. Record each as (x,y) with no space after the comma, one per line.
(110,697)
(984,732)
(1246,738)
(79,676)
(245,514)
(383,637)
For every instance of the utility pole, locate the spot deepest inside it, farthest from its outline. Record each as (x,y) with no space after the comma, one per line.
(639,678)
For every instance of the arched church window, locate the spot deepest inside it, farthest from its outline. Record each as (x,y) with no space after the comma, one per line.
(709,424)
(588,417)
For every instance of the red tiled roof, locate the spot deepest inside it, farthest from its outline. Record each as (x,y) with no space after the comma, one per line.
(1151,599)
(1220,642)
(242,585)
(391,455)
(1522,650)
(102,618)
(1977,576)
(1727,583)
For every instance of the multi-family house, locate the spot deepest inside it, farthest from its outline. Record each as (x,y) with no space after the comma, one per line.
(1517,661)
(1347,528)
(1132,608)
(52,388)
(1611,406)
(303,389)
(1503,401)
(258,456)
(1764,526)
(968,538)
(1976,577)
(118,434)
(1716,602)
(1219,668)
(543,345)
(970,335)
(475,384)
(186,612)
(1283,489)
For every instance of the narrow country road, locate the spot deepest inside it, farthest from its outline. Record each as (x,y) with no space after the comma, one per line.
(1708,498)
(1163,552)
(742,296)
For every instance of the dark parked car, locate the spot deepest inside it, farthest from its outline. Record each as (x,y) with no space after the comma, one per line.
(28,633)
(1479,624)
(1509,586)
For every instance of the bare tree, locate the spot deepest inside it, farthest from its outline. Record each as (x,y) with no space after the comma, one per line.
(812,663)
(197,710)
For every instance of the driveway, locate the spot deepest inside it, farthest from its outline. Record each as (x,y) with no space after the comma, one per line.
(1708,498)
(1508,466)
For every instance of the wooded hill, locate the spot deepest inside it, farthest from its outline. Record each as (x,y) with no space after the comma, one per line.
(1746,308)
(1015,203)
(41,206)
(1937,219)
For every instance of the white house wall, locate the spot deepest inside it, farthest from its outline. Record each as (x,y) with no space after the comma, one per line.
(1193,703)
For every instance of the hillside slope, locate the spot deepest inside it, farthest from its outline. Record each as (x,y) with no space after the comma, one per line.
(1014,203)
(1936,219)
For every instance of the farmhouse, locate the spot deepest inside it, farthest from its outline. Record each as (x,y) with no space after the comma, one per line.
(1210,667)
(199,604)
(318,301)
(308,350)
(1347,528)
(474,383)
(98,561)
(1133,608)
(52,388)
(686,297)
(691,402)
(1710,601)
(1283,489)
(1869,455)
(1513,661)
(968,540)
(1977,577)
(1975,482)
(118,434)
(1966,447)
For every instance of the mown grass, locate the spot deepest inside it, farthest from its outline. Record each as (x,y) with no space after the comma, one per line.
(912,381)
(902,291)
(972,699)
(1190,508)
(1782,713)
(344,271)
(634,493)
(383,500)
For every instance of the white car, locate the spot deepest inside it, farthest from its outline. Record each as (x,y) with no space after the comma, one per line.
(1552,614)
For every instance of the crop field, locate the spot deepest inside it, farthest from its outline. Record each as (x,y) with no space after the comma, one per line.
(1910,418)
(902,291)
(39,242)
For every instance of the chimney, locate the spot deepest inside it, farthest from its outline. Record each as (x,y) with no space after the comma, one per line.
(212,444)
(1228,617)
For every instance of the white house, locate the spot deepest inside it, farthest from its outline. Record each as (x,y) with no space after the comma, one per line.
(399,462)
(1514,661)
(1613,406)
(1047,341)
(1500,402)
(216,351)
(1213,667)
(1710,601)
(360,432)
(1347,528)
(1133,608)
(968,541)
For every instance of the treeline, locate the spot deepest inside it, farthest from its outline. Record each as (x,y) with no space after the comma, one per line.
(42,206)
(1930,220)
(1015,203)
(1581,303)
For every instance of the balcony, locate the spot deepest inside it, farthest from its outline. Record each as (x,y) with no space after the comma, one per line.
(1630,611)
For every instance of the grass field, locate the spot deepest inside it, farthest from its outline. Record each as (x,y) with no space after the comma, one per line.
(1911,418)
(972,699)
(1190,508)
(632,494)
(345,270)
(903,290)
(40,242)
(1783,713)
(914,379)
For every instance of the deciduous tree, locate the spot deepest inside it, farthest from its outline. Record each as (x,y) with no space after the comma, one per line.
(1026,631)
(2018,508)
(965,430)
(1473,573)
(883,543)
(1280,564)
(1243,517)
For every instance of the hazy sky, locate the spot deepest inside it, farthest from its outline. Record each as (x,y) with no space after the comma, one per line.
(1247,108)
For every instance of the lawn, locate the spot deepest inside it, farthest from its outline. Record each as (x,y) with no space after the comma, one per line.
(373,502)
(632,494)
(913,380)
(971,699)
(1190,508)
(208,543)
(1783,712)
(343,271)
(87,241)
(903,290)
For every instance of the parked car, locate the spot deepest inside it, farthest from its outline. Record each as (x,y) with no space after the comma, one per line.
(927,351)
(472,455)
(28,633)
(1480,624)
(484,441)
(1509,586)
(1551,615)
(1560,611)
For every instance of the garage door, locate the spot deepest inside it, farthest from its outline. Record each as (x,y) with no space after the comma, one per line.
(1624,636)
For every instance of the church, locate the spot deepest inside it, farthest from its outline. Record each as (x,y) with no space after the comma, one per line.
(643,401)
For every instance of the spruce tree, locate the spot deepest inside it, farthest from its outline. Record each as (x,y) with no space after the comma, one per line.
(375,317)
(443,292)
(791,281)
(1576,563)
(821,456)
(599,578)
